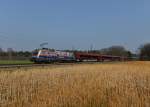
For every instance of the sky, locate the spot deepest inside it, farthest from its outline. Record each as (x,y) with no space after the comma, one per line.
(78,24)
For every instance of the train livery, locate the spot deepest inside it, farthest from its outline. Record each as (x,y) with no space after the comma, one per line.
(47,56)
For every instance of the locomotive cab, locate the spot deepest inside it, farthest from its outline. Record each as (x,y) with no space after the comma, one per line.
(44,56)
(35,55)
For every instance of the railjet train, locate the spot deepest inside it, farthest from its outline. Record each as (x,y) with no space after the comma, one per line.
(47,56)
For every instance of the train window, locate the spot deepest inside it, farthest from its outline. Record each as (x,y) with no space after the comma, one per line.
(35,53)
(43,52)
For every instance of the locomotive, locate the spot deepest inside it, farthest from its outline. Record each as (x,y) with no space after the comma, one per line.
(47,56)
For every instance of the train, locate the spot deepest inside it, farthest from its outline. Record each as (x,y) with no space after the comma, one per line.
(48,56)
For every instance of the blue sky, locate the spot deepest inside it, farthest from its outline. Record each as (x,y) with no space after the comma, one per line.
(24,24)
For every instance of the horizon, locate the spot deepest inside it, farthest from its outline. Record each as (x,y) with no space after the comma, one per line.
(74,24)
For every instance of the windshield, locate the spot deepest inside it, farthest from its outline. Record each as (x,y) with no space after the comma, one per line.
(35,53)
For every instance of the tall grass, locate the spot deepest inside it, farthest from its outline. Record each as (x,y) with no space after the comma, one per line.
(98,85)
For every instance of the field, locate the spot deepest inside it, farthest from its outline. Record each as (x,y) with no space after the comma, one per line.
(11,62)
(125,84)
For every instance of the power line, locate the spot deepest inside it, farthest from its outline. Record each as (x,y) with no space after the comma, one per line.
(91,47)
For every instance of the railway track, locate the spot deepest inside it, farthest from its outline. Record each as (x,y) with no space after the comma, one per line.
(46,65)
(32,65)
(35,65)
(18,66)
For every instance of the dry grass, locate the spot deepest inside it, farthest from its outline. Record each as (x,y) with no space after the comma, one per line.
(98,85)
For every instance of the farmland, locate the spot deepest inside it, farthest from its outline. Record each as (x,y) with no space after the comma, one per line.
(14,62)
(125,84)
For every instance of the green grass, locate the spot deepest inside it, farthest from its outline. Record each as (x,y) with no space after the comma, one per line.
(11,62)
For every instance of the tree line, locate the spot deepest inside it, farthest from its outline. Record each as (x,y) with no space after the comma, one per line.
(15,55)
(143,52)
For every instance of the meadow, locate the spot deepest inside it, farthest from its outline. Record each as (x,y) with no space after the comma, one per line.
(125,84)
(14,62)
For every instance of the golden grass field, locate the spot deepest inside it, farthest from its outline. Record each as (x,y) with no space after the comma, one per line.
(125,84)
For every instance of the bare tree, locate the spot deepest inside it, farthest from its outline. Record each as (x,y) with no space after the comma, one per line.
(1,50)
(116,51)
(145,51)
(10,50)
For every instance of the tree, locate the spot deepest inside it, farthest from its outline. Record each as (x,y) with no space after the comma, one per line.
(145,51)
(1,50)
(116,51)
